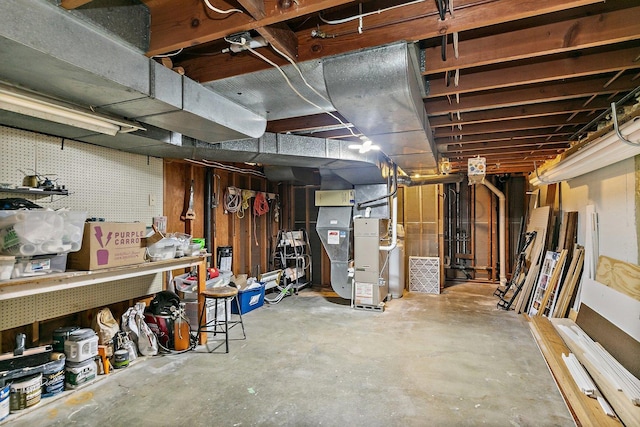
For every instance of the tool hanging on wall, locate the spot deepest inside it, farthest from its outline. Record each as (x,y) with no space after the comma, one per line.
(215,200)
(190,214)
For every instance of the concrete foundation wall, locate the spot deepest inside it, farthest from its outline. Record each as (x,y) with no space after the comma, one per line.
(613,192)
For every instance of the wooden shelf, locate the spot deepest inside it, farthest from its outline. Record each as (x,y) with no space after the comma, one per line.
(28,286)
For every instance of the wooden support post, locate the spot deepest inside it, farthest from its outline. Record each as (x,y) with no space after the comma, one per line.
(202,285)
(35,332)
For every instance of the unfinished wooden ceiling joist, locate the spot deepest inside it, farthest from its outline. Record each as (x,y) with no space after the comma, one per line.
(513,81)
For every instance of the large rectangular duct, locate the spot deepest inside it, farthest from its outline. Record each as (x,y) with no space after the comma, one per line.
(334,226)
(49,50)
(380,91)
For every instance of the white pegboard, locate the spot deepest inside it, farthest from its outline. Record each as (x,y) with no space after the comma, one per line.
(60,303)
(17,312)
(424,274)
(106,183)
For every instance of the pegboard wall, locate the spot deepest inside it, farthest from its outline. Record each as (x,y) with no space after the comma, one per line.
(26,310)
(105,183)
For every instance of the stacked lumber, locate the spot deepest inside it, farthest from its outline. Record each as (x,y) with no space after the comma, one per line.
(585,410)
(561,290)
(569,286)
(538,222)
(617,385)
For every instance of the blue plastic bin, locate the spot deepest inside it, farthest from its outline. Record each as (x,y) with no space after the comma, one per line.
(249,299)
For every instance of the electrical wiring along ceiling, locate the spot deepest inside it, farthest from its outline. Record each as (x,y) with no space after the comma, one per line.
(507,80)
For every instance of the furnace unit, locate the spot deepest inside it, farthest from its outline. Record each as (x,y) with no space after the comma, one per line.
(370,263)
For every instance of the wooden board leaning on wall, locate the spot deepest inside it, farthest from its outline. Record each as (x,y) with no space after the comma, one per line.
(619,275)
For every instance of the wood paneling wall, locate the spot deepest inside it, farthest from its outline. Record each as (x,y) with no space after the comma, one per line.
(249,236)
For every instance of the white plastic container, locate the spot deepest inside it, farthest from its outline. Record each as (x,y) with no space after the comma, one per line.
(81,345)
(6,266)
(39,265)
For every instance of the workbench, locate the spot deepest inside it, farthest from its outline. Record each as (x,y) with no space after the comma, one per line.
(29,300)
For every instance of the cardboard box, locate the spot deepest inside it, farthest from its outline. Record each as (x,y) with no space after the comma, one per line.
(109,244)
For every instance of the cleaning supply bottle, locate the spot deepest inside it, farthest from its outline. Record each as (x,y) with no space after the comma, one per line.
(181,332)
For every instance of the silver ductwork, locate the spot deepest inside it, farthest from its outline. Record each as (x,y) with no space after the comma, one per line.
(48,50)
(380,91)
(335,228)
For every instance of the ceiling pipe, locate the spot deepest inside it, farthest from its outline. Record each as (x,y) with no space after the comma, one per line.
(430,179)
(503,229)
(394,214)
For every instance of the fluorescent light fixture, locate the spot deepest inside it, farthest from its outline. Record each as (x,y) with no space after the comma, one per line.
(599,153)
(365,147)
(33,105)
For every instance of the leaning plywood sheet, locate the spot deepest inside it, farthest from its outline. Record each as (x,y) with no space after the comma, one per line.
(619,275)
(585,410)
(585,349)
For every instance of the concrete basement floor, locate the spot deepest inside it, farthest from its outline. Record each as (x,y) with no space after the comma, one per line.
(427,360)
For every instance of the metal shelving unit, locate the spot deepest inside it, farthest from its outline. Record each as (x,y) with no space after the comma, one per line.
(36,192)
(292,255)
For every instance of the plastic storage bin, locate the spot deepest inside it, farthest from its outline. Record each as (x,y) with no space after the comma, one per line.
(249,299)
(6,266)
(187,289)
(39,265)
(40,232)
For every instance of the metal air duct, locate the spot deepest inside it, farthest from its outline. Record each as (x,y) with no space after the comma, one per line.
(380,91)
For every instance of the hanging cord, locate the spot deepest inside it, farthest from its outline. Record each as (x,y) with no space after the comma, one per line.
(260,204)
(276,210)
(232,199)
(260,207)
(246,195)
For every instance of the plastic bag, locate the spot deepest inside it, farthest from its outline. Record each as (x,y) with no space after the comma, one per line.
(105,326)
(133,323)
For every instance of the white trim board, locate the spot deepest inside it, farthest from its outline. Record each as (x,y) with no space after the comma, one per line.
(618,308)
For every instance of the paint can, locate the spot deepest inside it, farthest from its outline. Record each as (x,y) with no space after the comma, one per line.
(59,337)
(53,375)
(4,401)
(79,373)
(120,359)
(25,392)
